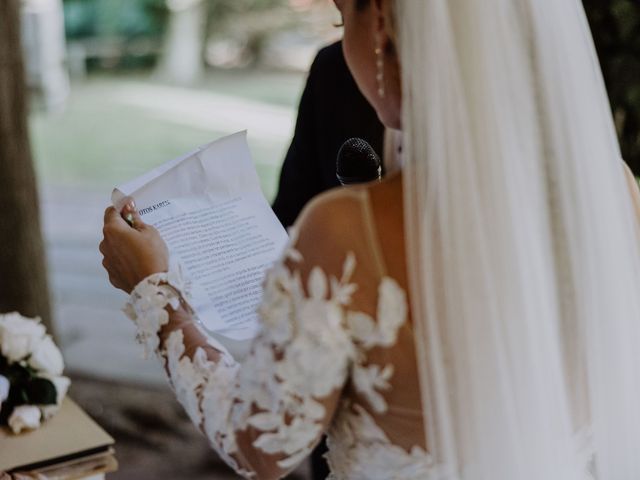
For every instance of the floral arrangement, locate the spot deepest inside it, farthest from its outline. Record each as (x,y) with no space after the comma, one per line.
(31,383)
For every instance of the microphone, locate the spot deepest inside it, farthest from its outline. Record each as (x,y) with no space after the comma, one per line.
(357,163)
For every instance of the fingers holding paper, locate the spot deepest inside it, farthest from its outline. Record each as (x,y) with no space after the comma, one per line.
(132,250)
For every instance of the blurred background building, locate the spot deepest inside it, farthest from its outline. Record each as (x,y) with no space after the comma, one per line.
(120,86)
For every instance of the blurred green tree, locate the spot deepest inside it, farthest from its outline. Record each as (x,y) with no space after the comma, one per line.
(115,33)
(111,18)
(616,31)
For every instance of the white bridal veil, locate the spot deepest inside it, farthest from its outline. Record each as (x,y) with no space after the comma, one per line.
(523,245)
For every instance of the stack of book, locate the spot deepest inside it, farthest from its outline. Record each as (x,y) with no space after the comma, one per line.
(68,446)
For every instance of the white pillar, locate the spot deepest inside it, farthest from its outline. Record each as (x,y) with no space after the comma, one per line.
(182,61)
(43,42)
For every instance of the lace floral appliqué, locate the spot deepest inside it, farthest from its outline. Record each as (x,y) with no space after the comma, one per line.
(308,345)
(360,450)
(146,305)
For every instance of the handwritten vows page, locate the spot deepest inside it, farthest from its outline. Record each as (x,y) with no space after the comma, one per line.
(210,210)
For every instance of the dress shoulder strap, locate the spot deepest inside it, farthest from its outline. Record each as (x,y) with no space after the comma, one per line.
(371,232)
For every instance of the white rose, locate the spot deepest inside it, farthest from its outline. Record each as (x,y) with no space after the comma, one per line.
(62,386)
(46,357)
(24,417)
(18,336)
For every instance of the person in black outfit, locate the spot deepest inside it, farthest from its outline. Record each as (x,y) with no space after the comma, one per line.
(331,110)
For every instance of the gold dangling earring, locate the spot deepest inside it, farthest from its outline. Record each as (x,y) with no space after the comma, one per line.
(379,66)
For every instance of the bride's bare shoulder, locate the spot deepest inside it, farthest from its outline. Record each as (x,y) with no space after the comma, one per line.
(329,219)
(332,223)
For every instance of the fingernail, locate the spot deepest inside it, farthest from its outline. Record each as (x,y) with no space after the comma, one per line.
(131,205)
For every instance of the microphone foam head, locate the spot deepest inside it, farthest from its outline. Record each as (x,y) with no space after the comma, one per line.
(357,162)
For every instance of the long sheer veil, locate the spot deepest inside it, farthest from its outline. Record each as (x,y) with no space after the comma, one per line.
(522,243)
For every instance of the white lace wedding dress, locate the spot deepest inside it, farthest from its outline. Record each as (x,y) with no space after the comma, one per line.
(322,362)
(335,355)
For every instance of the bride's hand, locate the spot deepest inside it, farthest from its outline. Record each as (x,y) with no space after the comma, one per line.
(131,253)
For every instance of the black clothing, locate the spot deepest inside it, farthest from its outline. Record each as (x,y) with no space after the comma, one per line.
(331,110)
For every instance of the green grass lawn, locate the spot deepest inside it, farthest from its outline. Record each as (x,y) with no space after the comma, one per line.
(277,88)
(99,140)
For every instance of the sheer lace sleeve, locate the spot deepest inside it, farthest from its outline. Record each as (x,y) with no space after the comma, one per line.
(265,415)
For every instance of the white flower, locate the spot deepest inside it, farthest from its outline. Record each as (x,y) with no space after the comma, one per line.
(392,311)
(146,307)
(46,357)
(266,421)
(187,377)
(18,336)
(290,252)
(368,380)
(62,386)
(363,329)
(317,284)
(24,417)
(342,292)
(289,438)
(348,267)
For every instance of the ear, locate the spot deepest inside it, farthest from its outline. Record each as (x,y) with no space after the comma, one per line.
(378,8)
(384,20)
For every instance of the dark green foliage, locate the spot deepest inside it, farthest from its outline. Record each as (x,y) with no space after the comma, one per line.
(108,29)
(116,33)
(40,391)
(616,30)
(131,18)
(114,18)
(26,388)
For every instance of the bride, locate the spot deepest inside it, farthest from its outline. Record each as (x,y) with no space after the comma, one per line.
(475,316)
